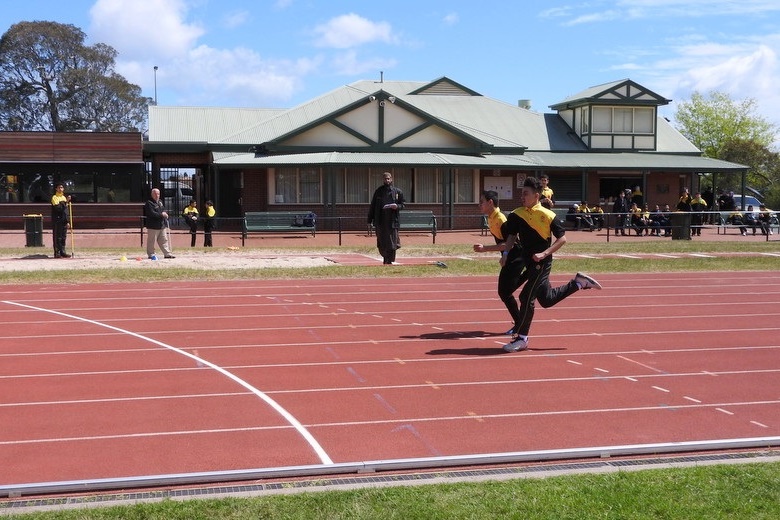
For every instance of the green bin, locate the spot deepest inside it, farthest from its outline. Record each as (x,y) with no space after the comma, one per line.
(33,230)
(681,225)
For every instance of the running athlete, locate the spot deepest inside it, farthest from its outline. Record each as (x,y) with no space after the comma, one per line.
(541,234)
(512,273)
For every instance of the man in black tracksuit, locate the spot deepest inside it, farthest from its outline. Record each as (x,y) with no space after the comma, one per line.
(383,214)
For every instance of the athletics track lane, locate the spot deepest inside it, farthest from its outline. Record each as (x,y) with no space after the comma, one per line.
(115,381)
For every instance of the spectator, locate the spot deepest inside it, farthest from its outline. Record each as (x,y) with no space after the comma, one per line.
(60,216)
(684,204)
(751,218)
(709,198)
(208,223)
(190,214)
(765,220)
(585,217)
(573,216)
(639,222)
(637,197)
(620,209)
(547,192)
(736,218)
(726,201)
(698,207)
(658,221)
(597,214)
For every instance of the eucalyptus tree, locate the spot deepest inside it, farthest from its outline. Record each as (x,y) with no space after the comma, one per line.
(50,80)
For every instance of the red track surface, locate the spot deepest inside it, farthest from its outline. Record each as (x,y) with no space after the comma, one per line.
(117,381)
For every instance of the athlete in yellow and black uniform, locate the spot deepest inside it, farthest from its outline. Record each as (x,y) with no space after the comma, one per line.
(535,227)
(512,273)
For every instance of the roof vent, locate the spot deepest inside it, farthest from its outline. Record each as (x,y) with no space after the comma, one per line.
(524,103)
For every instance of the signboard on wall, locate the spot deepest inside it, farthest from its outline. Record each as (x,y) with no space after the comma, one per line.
(501,185)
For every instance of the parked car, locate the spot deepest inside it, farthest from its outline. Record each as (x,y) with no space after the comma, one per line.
(749,201)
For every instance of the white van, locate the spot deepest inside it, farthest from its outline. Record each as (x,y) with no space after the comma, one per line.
(176,195)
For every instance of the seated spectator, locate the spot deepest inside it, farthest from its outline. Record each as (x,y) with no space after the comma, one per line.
(597,214)
(585,218)
(765,220)
(659,221)
(573,216)
(751,218)
(639,222)
(666,225)
(737,219)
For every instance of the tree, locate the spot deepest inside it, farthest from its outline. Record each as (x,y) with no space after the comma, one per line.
(711,122)
(51,81)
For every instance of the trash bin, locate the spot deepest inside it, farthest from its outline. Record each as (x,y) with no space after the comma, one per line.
(681,225)
(33,230)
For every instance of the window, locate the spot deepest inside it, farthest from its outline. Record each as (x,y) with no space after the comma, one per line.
(294,186)
(356,185)
(623,120)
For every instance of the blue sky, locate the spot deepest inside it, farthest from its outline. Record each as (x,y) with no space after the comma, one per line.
(280,53)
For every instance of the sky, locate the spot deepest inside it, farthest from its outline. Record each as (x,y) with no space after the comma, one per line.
(281,53)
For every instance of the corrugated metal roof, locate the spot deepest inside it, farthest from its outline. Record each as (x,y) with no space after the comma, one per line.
(203,124)
(547,160)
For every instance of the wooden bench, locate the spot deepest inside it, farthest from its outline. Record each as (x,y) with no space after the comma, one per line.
(414,220)
(278,222)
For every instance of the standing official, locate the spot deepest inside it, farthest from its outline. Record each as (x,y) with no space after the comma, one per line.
(383,214)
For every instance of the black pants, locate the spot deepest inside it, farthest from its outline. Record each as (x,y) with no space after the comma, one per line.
(538,288)
(59,236)
(510,278)
(207,227)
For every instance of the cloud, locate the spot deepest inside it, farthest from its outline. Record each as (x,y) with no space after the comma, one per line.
(351,30)
(451,19)
(606,11)
(235,19)
(153,29)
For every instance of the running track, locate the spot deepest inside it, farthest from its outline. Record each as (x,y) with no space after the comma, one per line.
(123,381)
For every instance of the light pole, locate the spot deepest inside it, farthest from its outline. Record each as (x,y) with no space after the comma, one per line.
(155,85)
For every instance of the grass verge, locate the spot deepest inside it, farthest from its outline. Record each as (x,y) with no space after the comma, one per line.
(743,491)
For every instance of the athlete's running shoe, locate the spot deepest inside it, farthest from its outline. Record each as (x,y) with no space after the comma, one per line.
(586,282)
(516,345)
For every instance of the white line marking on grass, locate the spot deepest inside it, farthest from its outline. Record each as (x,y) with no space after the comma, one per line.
(262,395)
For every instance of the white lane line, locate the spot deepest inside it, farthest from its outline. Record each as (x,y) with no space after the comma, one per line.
(324,458)
(724,411)
(660,389)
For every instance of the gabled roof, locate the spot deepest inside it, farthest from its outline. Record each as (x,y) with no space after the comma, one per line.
(622,92)
(468,124)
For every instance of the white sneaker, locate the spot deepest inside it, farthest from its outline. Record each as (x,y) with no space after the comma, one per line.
(586,282)
(516,345)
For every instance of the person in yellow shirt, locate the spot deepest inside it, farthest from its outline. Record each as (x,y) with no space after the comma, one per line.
(698,207)
(513,273)
(208,223)
(547,192)
(60,217)
(191,215)
(597,215)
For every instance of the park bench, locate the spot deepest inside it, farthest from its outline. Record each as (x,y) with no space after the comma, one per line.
(415,220)
(278,222)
